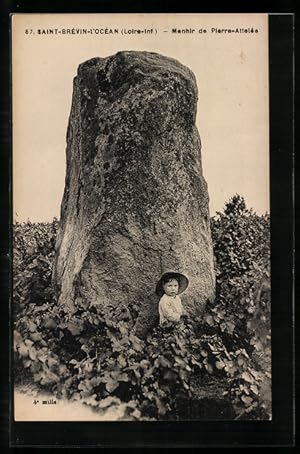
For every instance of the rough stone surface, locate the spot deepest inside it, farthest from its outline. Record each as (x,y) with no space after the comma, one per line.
(135,202)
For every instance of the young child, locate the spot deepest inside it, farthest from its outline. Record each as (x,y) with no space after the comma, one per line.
(169,286)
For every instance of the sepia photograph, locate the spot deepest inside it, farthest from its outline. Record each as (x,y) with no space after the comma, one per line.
(141,217)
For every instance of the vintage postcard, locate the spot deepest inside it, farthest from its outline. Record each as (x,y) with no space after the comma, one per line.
(141,217)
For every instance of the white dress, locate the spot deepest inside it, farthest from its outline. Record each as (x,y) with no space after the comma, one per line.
(170,309)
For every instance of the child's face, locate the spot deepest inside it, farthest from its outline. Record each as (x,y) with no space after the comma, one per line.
(171,287)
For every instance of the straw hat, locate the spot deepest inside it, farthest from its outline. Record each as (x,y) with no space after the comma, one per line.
(180,278)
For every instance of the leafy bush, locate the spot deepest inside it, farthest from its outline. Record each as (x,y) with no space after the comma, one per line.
(222,359)
(241,311)
(33,253)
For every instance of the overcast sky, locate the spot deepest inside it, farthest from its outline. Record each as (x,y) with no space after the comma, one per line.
(232,117)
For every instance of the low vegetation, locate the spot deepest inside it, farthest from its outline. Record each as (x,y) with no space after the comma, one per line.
(217,365)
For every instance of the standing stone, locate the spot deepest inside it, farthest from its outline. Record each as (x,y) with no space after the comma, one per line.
(135,202)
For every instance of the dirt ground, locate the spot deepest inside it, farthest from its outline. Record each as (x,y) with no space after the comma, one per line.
(32,406)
